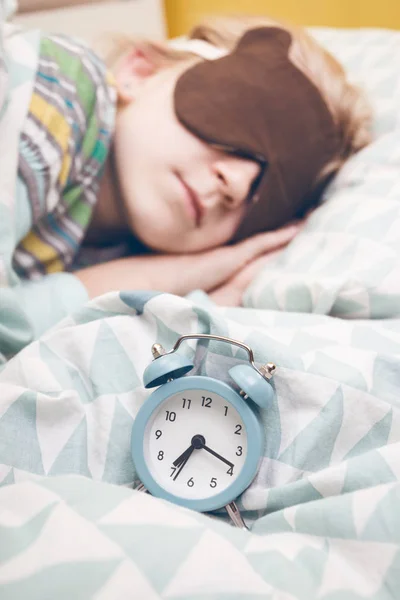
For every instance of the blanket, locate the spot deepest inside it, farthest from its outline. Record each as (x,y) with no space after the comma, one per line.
(323,508)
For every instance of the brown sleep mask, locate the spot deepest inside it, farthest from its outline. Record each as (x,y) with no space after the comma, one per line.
(255,103)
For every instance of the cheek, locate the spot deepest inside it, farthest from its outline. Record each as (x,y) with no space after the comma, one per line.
(137,135)
(224,227)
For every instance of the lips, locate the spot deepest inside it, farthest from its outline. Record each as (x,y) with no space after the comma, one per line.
(194,200)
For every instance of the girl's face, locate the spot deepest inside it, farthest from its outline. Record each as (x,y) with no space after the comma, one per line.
(179,194)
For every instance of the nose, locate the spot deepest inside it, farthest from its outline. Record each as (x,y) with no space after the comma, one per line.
(235,177)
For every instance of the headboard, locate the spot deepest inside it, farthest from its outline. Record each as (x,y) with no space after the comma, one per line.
(89,18)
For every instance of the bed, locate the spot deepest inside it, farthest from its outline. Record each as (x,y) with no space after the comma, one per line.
(323,508)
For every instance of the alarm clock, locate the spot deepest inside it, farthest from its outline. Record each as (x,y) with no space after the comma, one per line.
(196,441)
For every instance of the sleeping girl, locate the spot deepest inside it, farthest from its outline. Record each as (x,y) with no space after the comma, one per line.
(174,167)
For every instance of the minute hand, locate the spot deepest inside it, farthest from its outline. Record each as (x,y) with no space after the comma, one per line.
(218,456)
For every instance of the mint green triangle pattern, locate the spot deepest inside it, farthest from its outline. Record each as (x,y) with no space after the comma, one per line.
(111,370)
(79,581)
(238,538)
(158,551)
(165,336)
(284,496)
(376,437)
(19,74)
(312,447)
(367,470)
(346,307)
(283,319)
(66,374)
(384,523)
(390,586)
(137,299)
(366,338)
(11,544)
(333,517)
(277,352)
(383,306)
(119,467)
(87,314)
(334,369)
(272,428)
(19,425)
(303,342)
(91,499)
(298,298)
(73,457)
(273,522)
(265,299)
(290,576)
(211,322)
(8,479)
(313,561)
(386,379)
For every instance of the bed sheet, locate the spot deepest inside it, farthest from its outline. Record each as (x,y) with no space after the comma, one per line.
(323,508)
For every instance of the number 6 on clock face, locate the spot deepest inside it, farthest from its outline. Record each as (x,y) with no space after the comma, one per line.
(197,443)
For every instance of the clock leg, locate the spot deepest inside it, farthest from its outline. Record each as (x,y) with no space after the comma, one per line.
(141,488)
(235,515)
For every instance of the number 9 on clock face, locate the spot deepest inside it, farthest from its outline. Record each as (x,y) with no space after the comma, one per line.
(197,443)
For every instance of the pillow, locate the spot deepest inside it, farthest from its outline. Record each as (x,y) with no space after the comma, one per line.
(346,261)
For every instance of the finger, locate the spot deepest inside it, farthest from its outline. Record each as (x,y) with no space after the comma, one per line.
(235,287)
(226,296)
(270,240)
(215,267)
(262,243)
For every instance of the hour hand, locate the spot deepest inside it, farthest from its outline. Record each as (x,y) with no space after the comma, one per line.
(184,461)
(183,456)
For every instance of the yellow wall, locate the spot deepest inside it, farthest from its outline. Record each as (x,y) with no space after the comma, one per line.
(182,14)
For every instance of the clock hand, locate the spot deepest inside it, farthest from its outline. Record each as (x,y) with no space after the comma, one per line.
(189,454)
(197,443)
(182,457)
(218,456)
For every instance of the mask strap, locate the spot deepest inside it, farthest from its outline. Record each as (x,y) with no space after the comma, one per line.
(200,47)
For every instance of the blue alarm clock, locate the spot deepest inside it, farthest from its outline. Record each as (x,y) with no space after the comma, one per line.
(196,441)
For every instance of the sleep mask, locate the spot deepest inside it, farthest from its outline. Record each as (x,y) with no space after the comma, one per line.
(254,103)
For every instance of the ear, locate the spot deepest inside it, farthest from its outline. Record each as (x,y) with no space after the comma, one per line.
(132,69)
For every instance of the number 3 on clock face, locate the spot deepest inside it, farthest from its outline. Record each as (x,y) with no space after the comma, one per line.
(197,443)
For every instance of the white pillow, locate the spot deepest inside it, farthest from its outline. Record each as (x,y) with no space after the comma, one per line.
(346,262)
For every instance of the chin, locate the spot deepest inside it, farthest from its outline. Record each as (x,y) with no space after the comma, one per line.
(153,237)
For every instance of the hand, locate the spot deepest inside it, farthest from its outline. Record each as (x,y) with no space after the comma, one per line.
(182,457)
(182,273)
(187,454)
(218,456)
(216,267)
(231,292)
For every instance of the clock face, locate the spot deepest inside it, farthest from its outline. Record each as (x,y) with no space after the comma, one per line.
(195,444)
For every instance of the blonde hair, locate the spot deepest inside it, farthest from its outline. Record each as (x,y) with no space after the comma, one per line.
(347,103)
